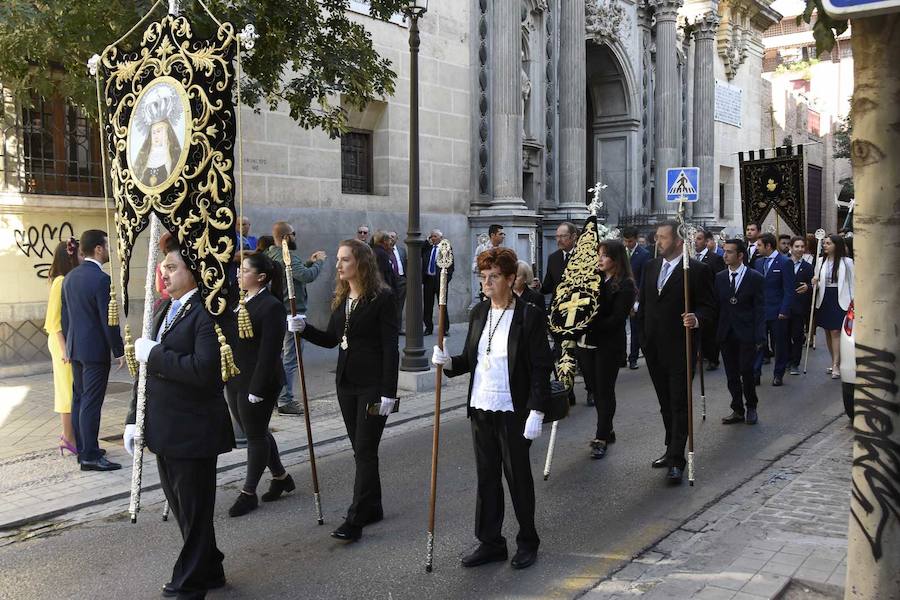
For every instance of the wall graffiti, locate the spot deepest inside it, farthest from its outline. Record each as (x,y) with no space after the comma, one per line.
(876,479)
(39,242)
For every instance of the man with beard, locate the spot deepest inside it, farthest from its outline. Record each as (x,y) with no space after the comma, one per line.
(304,272)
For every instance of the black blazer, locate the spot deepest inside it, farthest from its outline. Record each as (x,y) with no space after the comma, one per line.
(259,357)
(555,268)
(802,302)
(85,305)
(535,299)
(372,357)
(747,318)
(530,361)
(607,330)
(659,314)
(382,258)
(186,415)
(715,262)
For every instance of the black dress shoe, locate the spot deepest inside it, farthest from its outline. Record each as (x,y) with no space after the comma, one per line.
(674,475)
(777,382)
(347,532)
(428,332)
(633,365)
(752,418)
(484,555)
(245,504)
(278,487)
(170,591)
(733,418)
(598,449)
(523,559)
(101,464)
(712,366)
(661,463)
(590,399)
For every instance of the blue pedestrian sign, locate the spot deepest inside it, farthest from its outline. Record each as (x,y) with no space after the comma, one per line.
(845,9)
(682,184)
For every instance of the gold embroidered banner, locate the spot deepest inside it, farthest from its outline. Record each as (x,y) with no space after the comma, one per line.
(774,183)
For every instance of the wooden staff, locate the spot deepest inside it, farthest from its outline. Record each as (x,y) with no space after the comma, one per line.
(444,261)
(289,276)
(820,235)
(689,356)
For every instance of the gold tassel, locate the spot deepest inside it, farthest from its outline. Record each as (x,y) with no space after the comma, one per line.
(245,327)
(229,368)
(112,314)
(130,357)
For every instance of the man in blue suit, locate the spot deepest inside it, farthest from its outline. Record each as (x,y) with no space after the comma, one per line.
(803,274)
(639,257)
(779,295)
(90,341)
(741,330)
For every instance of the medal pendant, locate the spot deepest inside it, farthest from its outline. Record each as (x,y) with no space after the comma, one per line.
(733,300)
(487,361)
(344,344)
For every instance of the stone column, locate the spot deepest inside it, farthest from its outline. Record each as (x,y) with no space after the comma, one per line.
(667,94)
(506,104)
(704,106)
(572,106)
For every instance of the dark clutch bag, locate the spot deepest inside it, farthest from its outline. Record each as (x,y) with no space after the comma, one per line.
(374,407)
(558,408)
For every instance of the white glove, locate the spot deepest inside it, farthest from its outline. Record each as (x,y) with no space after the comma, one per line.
(441,358)
(142,348)
(296,324)
(533,425)
(387,405)
(254,399)
(128,438)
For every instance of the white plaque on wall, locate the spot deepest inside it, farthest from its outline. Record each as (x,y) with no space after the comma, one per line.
(728,104)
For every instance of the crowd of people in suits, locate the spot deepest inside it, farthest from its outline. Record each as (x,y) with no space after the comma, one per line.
(749,298)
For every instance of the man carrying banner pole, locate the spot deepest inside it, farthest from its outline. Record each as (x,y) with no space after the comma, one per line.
(820,235)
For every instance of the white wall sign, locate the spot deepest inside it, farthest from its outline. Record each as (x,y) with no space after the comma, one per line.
(728,104)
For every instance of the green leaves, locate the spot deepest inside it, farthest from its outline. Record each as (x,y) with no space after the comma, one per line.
(825,29)
(312,55)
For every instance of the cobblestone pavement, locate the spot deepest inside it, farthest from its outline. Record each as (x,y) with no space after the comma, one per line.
(787,525)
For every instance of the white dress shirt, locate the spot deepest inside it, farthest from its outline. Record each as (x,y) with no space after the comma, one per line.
(400,270)
(490,387)
(741,270)
(660,284)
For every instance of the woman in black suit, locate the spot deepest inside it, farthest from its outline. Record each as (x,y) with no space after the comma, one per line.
(606,337)
(524,277)
(364,324)
(509,359)
(252,394)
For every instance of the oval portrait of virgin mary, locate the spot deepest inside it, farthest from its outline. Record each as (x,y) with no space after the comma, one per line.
(158,134)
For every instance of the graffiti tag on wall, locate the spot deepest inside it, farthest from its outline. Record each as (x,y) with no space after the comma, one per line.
(39,242)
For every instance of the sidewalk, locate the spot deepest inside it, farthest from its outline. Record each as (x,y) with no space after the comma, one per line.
(37,484)
(783,534)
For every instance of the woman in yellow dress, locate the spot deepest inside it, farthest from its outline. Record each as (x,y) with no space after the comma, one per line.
(65,258)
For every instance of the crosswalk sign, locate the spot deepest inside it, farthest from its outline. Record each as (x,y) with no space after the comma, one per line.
(682,184)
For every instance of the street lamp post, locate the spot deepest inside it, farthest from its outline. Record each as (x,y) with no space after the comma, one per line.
(413,358)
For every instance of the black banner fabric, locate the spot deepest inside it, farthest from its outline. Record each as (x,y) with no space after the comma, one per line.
(774,183)
(169,126)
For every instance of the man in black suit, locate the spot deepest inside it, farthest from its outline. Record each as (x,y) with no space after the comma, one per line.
(398,263)
(381,244)
(778,272)
(664,324)
(186,423)
(639,257)
(90,340)
(751,234)
(431,281)
(800,307)
(741,330)
(709,346)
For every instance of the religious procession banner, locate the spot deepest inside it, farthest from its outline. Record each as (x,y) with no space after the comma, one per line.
(774,183)
(169,126)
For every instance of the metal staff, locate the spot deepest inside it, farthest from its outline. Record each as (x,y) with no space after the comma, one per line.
(289,276)
(444,261)
(820,235)
(165,515)
(689,357)
(702,382)
(137,470)
(550,448)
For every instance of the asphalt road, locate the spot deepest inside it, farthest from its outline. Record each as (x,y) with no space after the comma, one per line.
(592,515)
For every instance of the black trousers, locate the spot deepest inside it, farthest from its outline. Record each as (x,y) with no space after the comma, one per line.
(190,488)
(796,338)
(88,391)
(431,287)
(709,347)
(585,359)
(400,297)
(262,451)
(365,432)
(502,450)
(739,358)
(670,384)
(600,373)
(635,340)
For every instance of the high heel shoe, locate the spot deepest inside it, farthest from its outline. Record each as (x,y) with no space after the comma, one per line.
(64,445)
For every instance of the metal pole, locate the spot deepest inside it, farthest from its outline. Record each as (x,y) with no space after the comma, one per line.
(413,358)
(689,357)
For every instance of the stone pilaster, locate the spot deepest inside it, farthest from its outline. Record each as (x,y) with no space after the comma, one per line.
(667,94)
(506,104)
(704,106)
(572,106)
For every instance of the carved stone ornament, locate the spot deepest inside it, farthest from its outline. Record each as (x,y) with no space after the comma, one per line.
(606,21)
(734,34)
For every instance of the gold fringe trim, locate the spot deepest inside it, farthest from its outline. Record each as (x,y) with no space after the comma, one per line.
(229,368)
(112,314)
(130,356)
(245,327)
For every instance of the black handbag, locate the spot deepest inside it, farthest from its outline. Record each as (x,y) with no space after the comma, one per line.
(558,408)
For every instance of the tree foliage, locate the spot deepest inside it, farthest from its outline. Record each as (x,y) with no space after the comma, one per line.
(843,134)
(825,29)
(310,54)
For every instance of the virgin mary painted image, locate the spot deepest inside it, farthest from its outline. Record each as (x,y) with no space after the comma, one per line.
(157,134)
